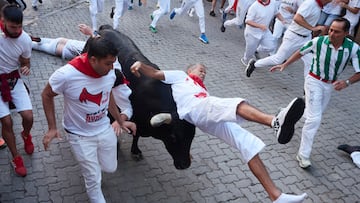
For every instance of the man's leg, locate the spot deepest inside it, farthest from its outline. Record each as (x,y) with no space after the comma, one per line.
(107,152)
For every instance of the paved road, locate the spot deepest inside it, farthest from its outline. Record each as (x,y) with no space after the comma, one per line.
(217,173)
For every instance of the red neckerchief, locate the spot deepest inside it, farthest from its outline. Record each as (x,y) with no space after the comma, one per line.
(197,80)
(264,3)
(320,3)
(5,31)
(82,64)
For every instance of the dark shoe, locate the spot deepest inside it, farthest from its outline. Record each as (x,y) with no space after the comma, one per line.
(285,120)
(40,1)
(348,149)
(153,29)
(212,13)
(222,28)
(250,67)
(172,14)
(35,39)
(35,8)
(112,12)
(140,3)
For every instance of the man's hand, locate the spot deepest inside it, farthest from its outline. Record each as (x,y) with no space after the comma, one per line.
(320,28)
(25,70)
(129,127)
(280,67)
(85,29)
(135,68)
(339,85)
(49,136)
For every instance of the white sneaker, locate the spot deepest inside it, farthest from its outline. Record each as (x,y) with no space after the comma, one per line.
(286,198)
(284,122)
(160,119)
(303,162)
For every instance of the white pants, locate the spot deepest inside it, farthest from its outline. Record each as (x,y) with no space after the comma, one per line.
(47,45)
(255,40)
(119,11)
(317,97)
(291,43)
(217,116)
(199,8)
(96,6)
(241,10)
(164,8)
(95,154)
(20,98)
(278,31)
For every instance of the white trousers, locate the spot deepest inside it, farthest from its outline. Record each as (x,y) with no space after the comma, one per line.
(255,40)
(47,45)
(199,9)
(317,97)
(291,43)
(356,158)
(164,8)
(217,117)
(96,6)
(95,154)
(119,11)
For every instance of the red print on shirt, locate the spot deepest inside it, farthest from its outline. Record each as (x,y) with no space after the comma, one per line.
(86,96)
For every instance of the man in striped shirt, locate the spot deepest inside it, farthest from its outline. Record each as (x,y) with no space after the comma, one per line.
(330,56)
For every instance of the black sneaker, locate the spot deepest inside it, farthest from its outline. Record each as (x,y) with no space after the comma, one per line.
(285,120)
(35,39)
(250,67)
(348,149)
(40,1)
(112,12)
(222,28)
(212,13)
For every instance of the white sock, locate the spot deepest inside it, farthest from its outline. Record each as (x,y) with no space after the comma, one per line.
(286,198)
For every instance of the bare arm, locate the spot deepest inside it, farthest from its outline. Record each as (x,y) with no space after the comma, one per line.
(49,108)
(353,10)
(257,25)
(299,19)
(291,60)
(341,84)
(139,67)
(24,65)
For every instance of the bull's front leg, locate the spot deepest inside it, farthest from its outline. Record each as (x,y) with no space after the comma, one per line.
(136,153)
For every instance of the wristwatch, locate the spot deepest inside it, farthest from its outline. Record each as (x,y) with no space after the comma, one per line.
(347,83)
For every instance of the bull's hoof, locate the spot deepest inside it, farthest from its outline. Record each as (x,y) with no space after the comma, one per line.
(137,157)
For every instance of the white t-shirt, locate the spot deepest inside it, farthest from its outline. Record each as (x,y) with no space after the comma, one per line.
(261,14)
(310,11)
(353,18)
(11,49)
(293,4)
(86,99)
(186,92)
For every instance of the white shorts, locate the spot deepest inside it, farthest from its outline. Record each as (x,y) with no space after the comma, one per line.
(20,97)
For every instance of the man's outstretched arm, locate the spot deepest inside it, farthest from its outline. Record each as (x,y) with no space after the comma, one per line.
(140,68)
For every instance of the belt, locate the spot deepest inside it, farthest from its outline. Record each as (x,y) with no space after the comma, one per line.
(321,79)
(304,36)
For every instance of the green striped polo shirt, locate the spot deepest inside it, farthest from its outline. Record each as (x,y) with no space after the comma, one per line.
(328,63)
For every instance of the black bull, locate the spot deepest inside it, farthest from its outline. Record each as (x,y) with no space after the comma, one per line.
(149,97)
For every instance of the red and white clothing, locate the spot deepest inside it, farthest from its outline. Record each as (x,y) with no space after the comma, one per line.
(212,115)
(71,49)
(10,51)
(92,139)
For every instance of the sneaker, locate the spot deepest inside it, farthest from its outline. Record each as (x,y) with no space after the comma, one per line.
(160,119)
(203,38)
(112,12)
(284,122)
(212,13)
(191,12)
(348,149)
(19,167)
(40,1)
(222,28)
(140,3)
(152,29)
(303,162)
(2,143)
(28,145)
(130,8)
(250,67)
(172,14)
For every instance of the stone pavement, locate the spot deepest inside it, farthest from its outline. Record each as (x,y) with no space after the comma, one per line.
(217,173)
